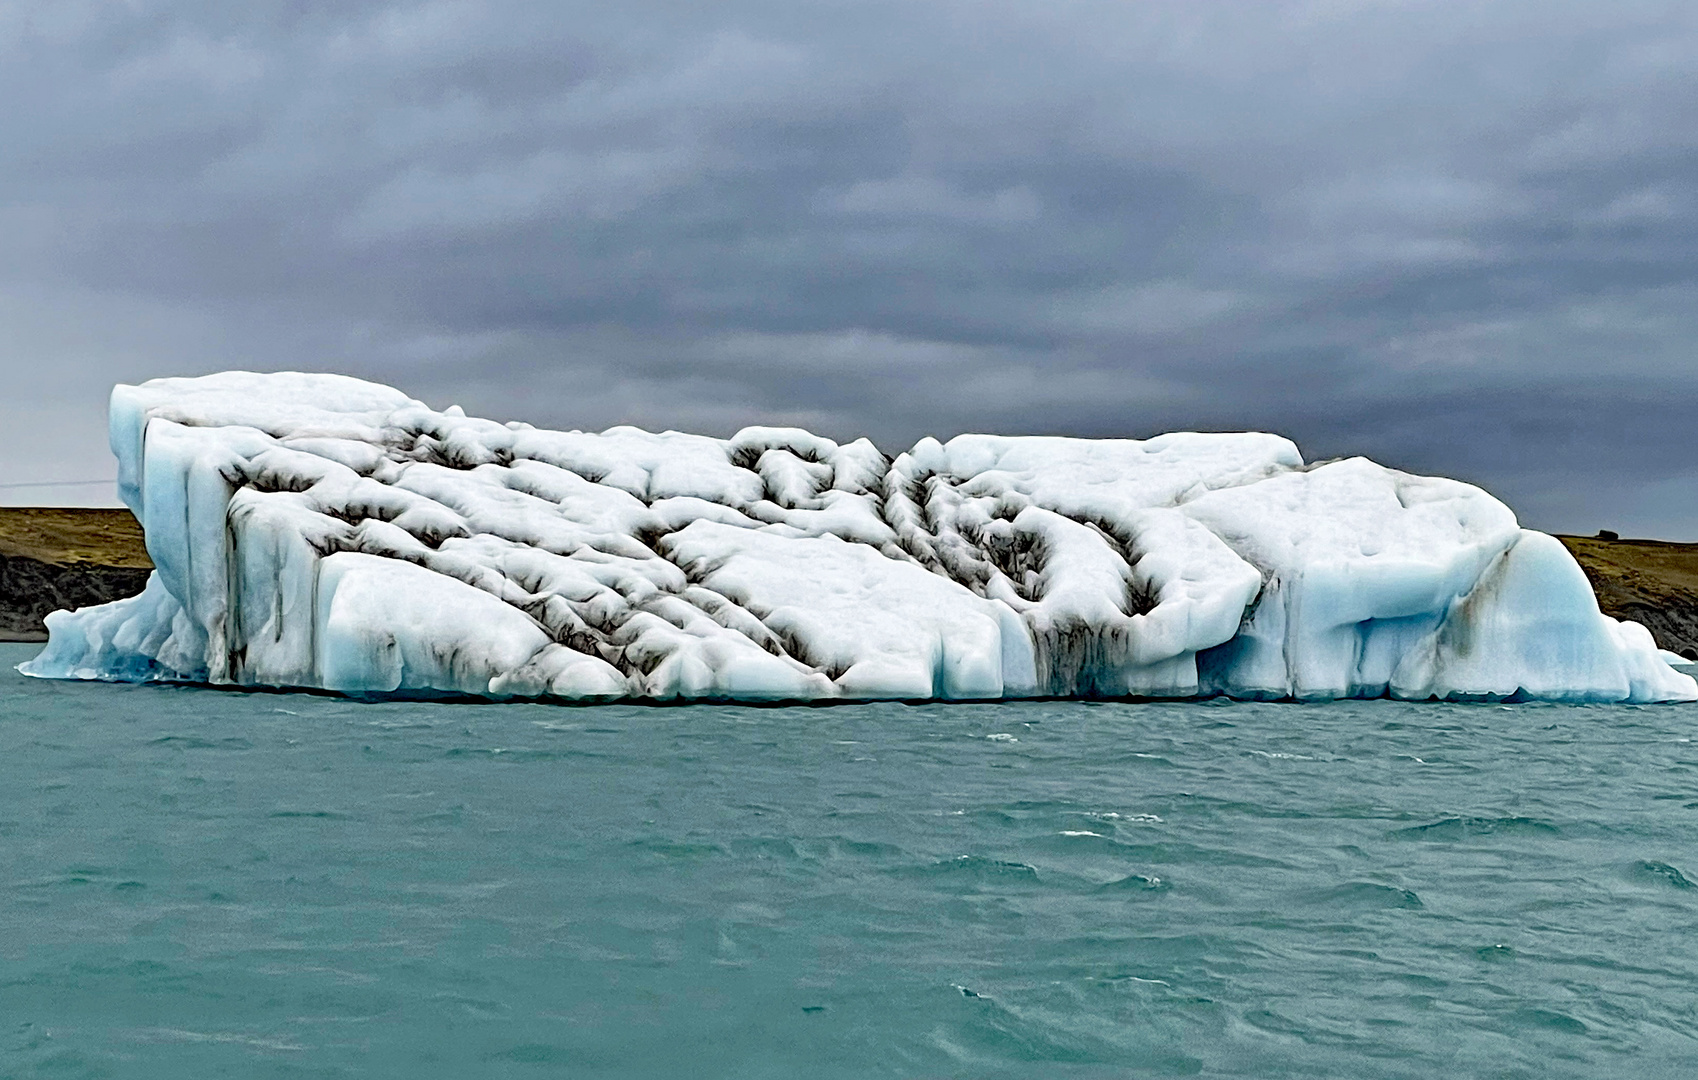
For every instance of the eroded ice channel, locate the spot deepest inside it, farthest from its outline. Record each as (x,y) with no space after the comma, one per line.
(319,531)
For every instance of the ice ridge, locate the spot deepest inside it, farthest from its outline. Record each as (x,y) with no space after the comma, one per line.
(320,531)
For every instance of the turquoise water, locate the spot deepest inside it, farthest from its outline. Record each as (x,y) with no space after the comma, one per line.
(200,883)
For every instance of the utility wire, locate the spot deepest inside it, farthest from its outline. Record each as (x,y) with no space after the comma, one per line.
(57,483)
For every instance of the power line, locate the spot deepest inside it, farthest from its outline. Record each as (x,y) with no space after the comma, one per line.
(57,483)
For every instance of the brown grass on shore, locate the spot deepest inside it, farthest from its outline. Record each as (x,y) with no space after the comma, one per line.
(1654,582)
(63,536)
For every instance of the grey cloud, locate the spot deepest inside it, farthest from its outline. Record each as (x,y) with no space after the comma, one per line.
(1454,236)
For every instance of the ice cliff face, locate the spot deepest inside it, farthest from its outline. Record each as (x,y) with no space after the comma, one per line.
(318,531)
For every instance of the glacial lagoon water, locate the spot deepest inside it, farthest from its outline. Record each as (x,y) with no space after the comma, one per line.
(202,883)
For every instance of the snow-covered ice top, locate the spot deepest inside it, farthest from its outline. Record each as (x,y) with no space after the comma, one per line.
(320,531)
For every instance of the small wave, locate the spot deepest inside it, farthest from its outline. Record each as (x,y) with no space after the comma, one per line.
(1141,760)
(558,725)
(532,1054)
(1550,1020)
(1139,883)
(1276,1024)
(1459,828)
(1367,894)
(975,867)
(675,849)
(1661,873)
(866,849)
(258,1042)
(193,742)
(1001,736)
(766,847)
(519,753)
(1182,853)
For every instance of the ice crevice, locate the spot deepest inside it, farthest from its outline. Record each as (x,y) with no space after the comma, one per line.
(323,532)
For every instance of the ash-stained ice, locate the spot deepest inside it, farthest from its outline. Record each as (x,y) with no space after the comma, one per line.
(320,531)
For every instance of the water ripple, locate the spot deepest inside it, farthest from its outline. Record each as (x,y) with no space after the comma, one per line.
(203,883)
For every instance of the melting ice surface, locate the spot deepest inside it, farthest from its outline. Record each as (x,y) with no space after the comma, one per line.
(320,531)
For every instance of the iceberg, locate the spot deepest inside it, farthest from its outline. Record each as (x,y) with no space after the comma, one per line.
(318,531)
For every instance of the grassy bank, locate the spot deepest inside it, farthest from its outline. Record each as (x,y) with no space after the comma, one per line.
(1649,581)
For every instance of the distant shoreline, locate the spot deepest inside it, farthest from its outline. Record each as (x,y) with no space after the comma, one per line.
(70,557)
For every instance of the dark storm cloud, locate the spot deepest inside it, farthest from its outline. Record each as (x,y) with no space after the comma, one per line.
(1458,237)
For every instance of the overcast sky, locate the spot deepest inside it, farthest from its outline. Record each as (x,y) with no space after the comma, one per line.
(1458,237)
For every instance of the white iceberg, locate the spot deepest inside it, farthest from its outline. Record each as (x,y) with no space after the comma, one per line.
(319,531)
